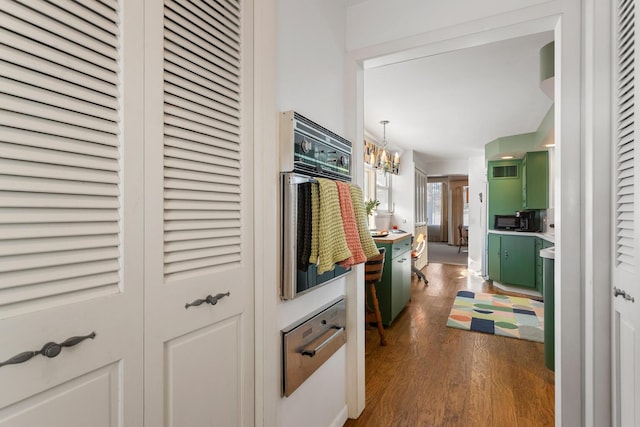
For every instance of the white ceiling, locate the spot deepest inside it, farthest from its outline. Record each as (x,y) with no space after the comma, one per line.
(448,106)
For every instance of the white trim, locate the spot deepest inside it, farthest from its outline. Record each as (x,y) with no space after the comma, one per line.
(267,344)
(545,17)
(597,221)
(341,418)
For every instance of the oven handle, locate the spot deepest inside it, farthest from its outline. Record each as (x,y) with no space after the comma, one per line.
(339,330)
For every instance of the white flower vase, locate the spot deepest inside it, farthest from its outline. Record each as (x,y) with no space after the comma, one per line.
(372,222)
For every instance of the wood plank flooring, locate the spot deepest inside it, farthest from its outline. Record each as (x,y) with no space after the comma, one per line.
(433,375)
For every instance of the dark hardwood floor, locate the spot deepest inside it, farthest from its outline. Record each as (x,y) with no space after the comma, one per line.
(433,375)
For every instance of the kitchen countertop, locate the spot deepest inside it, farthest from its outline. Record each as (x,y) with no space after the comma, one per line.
(391,237)
(549,237)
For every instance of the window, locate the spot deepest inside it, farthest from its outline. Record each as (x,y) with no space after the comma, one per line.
(383,190)
(434,203)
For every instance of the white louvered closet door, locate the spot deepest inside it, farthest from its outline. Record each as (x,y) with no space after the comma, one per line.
(626,230)
(70,227)
(198,171)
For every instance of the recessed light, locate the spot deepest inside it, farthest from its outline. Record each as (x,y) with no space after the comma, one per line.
(550,145)
(506,157)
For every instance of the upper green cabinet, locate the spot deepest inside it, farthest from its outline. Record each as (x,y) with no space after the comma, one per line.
(535,180)
(505,188)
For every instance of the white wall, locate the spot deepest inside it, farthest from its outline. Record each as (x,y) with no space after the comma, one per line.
(448,167)
(403,193)
(310,80)
(377,21)
(477,212)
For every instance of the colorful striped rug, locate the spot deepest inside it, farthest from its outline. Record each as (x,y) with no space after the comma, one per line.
(503,315)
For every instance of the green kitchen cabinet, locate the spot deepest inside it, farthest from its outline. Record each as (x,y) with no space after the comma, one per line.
(495,256)
(394,290)
(512,260)
(540,244)
(505,188)
(535,180)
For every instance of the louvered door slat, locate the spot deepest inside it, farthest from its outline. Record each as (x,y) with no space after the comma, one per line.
(172,215)
(182,107)
(51,71)
(36,231)
(59,272)
(62,26)
(85,24)
(625,137)
(49,111)
(217,190)
(57,58)
(176,55)
(199,254)
(202,137)
(60,102)
(202,265)
(224,120)
(180,86)
(217,58)
(227,18)
(192,54)
(192,136)
(12,199)
(20,152)
(26,184)
(200,205)
(204,147)
(100,17)
(61,287)
(74,92)
(43,170)
(202,224)
(191,160)
(200,195)
(56,258)
(27,122)
(61,243)
(203,29)
(186,245)
(28,30)
(103,118)
(189,235)
(60,216)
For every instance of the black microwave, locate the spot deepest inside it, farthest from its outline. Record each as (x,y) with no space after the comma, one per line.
(506,222)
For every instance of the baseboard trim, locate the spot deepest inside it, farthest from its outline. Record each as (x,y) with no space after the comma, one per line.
(341,418)
(517,290)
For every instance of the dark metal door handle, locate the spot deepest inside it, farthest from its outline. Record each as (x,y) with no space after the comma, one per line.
(619,292)
(213,300)
(50,350)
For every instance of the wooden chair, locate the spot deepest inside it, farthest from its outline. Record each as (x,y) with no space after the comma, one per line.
(421,243)
(463,235)
(372,276)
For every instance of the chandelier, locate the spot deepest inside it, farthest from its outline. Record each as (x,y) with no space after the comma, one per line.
(380,157)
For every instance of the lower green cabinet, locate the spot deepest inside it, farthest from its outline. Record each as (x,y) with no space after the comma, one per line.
(512,259)
(394,290)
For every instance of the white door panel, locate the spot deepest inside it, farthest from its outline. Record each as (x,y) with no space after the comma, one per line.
(201,396)
(198,215)
(625,231)
(92,399)
(70,229)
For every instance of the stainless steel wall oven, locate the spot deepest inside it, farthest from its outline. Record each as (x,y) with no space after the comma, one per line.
(307,151)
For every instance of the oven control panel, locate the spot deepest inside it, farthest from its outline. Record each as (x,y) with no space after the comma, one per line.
(309,148)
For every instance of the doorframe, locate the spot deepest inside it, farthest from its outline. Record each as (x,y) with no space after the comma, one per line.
(565,18)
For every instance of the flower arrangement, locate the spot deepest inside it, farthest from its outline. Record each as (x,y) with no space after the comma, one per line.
(371,205)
